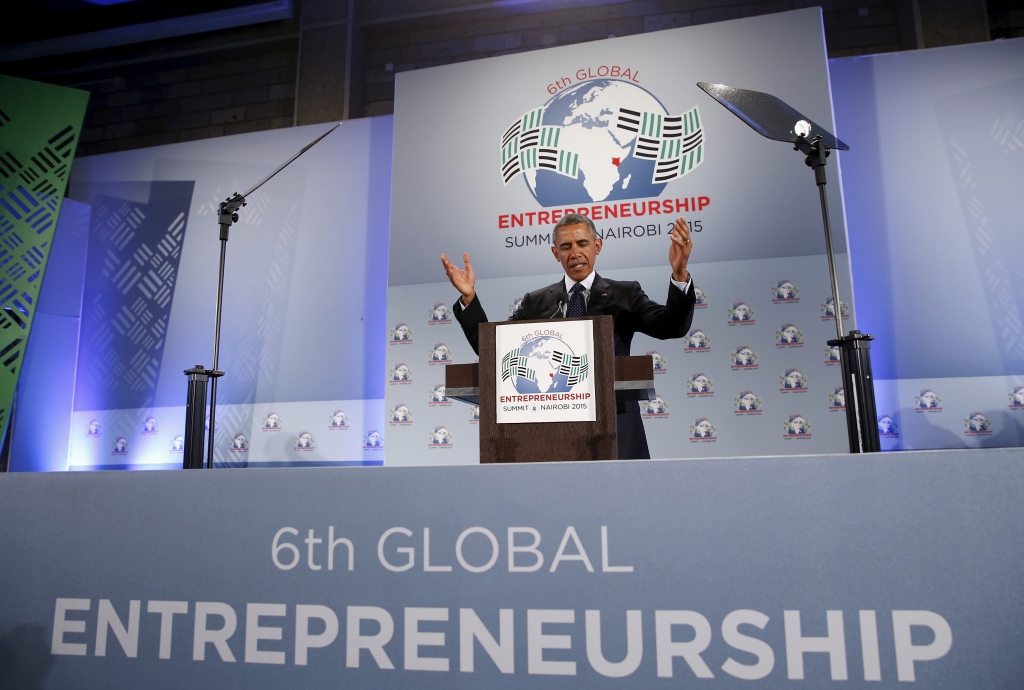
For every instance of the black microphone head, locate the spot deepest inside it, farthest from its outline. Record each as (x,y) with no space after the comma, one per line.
(563,298)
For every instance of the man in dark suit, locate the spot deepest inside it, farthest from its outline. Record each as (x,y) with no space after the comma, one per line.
(576,246)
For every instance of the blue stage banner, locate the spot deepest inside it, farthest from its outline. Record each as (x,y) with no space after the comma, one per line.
(811,572)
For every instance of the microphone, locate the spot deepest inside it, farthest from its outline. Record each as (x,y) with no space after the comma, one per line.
(563,302)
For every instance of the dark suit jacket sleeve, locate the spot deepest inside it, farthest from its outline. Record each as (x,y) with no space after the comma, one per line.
(470,319)
(672,320)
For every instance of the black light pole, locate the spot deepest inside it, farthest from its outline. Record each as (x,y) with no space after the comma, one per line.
(775,119)
(198,375)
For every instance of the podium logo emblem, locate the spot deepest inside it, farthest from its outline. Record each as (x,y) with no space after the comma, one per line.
(700,298)
(544,364)
(887,427)
(740,313)
(401,333)
(439,313)
(149,426)
(120,446)
(400,373)
(400,414)
(239,443)
(1017,398)
(743,358)
(789,336)
(654,408)
(837,399)
(796,426)
(337,420)
(614,132)
(747,403)
(440,437)
(702,430)
(178,444)
(699,385)
(660,363)
(793,382)
(977,424)
(439,354)
(928,401)
(272,422)
(785,292)
(697,341)
(373,440)
(304,441)
(828,310)
(94,428)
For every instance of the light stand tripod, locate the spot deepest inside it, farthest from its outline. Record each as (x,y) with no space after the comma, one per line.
(198,376)
(773,118)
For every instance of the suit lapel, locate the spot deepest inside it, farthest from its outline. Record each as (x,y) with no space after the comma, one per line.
(600,296)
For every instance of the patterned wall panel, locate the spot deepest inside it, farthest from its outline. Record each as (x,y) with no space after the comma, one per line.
(39,128)
(134,252)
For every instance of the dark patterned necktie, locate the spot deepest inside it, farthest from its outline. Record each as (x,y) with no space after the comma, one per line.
(577,306)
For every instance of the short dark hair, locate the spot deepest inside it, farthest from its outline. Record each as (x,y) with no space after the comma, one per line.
(572,219)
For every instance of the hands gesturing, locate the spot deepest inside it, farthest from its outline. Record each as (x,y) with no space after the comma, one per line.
(463,280)
(679,252)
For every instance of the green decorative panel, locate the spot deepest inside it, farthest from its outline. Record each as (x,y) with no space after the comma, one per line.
(39,129)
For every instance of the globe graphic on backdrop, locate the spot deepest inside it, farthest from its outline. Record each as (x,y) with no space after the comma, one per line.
(538,353)
(587,113)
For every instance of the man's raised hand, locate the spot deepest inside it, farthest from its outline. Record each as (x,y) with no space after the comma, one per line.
(679,251)
(463,280)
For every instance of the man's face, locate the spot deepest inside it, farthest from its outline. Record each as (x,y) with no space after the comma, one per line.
(576,250)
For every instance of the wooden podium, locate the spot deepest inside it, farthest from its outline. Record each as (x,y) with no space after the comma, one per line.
(615,379)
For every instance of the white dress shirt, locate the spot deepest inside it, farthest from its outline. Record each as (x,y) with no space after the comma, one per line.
(589,281)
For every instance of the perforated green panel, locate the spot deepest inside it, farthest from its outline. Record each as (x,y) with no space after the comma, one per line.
(39,128)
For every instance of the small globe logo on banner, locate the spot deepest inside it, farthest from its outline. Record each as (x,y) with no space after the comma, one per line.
(337,420)
(437,395)
(373,440)
(400,372)
(740,312)
(793,380)
(544,364)
(149,426)
(837,399)
(700,384)
(120,446)
(832,354)
(514,307)
(178,444)
(439,353)
(654,408)
(660,363)
(440,313)
(1017,397)
(828,309)
(617,134)
(400,414)
(928,399)
(304,441)
(440,437)
(746,401)
(785,291)
(887,426)
(239,443)
(977,424)
(703,429)
(796,425)
(788,336)
(94,428)
(700,298)
(697,340)
(474,413)
(743,358)
(272,422)
(401,333)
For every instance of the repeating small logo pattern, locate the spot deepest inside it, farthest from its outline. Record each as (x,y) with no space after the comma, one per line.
(437,396)
(178,444)
(784,292)
(703,430)
(439,354)
(743,358)
(304,441)
(150,427)
(789,336)
(337,420)
(400,415)
(239,443)
(700,298)
(793,382)
(1017,398)
(401,333)
(832,356)
(837,399)
(697,341)
(928,401)
(272,422)
(660,363)
(977,424)
(439,314)
(440,437)
(474,414)
(373,440)
(747,403)
(94,428)
(796,426)
(740,314)
(887,427)
(514,306)
(654,408)
(828,310)
(699,385)
(120,446)
(400,373)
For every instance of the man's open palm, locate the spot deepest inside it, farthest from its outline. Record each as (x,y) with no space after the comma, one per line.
(462,279)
